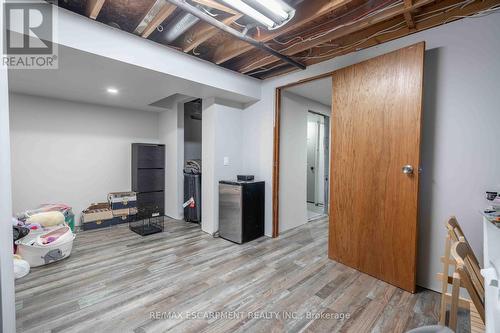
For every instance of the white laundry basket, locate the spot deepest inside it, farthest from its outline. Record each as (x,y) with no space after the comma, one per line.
(39,255)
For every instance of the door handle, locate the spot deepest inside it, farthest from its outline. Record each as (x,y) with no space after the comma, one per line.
(407,169)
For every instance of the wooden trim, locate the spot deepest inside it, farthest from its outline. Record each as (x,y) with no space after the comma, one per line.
(93,8)
(276,163)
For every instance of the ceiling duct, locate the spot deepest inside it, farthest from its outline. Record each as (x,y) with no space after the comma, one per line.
(180,26)
(220,25)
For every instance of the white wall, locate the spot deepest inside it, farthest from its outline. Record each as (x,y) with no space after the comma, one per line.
(293,158)
(171,134)
(100,39)
(460,129)
(7,297)
(73,153)
(316,147)
(192,134)
(221,132)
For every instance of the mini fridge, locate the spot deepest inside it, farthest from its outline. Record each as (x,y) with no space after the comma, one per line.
(241,210)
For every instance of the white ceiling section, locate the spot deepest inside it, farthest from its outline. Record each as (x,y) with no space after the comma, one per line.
(92,54)
(317,90)
(85,77)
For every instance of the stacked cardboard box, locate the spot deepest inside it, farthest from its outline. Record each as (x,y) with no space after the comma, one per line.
(123,206)
(97,216)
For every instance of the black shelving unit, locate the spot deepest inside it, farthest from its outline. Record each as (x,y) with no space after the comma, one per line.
(148,180)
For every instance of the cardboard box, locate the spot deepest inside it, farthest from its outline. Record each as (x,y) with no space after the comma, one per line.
(125,212)
(97,224)
(97,212)
(123,219)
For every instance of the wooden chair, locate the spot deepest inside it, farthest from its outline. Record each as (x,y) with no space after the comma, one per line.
(466,275)
(454,237)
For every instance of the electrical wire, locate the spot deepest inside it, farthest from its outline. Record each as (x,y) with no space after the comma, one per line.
(336,18)
(418,19)
(195,52)
(391,29)
(312,38)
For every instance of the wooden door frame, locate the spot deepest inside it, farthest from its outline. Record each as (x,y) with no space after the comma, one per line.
(277,142)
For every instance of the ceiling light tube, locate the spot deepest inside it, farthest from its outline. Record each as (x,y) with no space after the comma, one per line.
(247,10)
(276,7)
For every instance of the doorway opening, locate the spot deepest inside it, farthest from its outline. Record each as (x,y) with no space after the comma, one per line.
(192,161)
(302,153)
(318,156)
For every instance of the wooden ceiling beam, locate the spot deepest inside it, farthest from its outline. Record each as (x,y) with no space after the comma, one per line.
(306,12)
(367,41)
(410,21)
(93,8)
(202,32)
(167,10)
(447,15)
(246,66)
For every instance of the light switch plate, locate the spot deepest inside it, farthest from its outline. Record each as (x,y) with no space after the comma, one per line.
(226,161)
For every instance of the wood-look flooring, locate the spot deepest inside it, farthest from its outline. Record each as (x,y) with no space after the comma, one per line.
(115,279)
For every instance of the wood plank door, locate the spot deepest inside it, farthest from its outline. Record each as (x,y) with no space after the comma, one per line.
(375,128)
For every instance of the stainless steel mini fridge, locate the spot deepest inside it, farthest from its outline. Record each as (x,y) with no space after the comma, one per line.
(241,210)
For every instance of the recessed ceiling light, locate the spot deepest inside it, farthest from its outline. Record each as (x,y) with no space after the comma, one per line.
(113,91)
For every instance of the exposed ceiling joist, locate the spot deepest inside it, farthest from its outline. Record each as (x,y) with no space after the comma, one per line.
(306,12)
(335,32)
(233,32)
(422,22)
(203,32)
(216,5)
(384,32)
(167,10)
(410,21)
(93,8)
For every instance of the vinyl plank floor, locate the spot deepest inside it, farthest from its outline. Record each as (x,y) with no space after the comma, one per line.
(184,280)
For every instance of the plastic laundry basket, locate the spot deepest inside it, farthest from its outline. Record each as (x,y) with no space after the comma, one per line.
(39,255)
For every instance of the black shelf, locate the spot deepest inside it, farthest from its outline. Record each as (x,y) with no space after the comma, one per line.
(148,178)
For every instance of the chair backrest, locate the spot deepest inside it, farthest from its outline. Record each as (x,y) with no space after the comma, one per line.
(467,268)
(457,235)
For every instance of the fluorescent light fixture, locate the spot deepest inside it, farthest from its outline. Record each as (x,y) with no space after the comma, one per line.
(247,10)
(112,90)
(276,7)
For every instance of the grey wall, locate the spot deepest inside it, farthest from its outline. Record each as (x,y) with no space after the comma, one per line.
(460,130)
(73,153)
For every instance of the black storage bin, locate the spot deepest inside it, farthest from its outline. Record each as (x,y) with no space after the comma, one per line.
(148,179)
(148,156)
(192,189)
